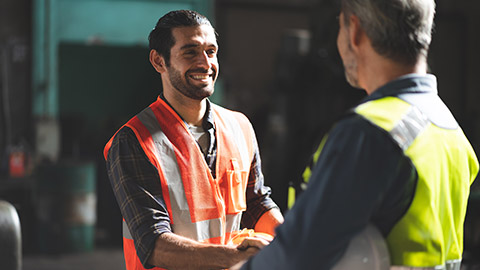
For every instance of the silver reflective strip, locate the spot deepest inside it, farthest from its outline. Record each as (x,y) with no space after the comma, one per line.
(453,264)
(233,222)
(238,136)
(182,223)
(201,230)
(449,265)
(408,128)
(126,231)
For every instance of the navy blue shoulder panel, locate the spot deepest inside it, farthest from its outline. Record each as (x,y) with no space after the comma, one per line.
(433,107)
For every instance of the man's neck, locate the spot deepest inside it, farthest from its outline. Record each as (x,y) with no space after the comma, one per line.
(192,111)
(384,71)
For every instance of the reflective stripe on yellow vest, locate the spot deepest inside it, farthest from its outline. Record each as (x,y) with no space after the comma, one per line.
(200,207)
(431,231)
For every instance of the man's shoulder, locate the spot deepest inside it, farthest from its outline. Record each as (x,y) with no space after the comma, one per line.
(123,136)
(357,127)
(353,121)
(222,111)
(351,117)
(125,132)
(220,108)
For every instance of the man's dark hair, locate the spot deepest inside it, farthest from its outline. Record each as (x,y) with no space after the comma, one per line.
(161,38)
(400,30)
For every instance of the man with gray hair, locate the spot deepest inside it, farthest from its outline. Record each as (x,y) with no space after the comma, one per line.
(398,161)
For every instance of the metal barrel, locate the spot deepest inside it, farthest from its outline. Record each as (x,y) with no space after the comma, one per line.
(10,237)
(66,206)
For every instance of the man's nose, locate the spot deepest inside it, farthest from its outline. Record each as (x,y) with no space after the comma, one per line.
(204,60)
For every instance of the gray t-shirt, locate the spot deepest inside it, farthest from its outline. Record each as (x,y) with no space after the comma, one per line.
(201,136)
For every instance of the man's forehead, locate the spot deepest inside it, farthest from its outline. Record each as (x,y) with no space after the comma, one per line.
(201,35)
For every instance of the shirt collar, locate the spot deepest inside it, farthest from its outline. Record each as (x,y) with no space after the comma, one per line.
(207,122)
(410,83)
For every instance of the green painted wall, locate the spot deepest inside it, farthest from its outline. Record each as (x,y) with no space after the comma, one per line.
(104,84)
(116,23)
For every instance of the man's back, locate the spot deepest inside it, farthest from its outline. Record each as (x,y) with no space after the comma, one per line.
(431,230)
(366,174)
(391,163)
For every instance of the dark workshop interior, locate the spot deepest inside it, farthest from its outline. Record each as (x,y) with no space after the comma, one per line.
(72,72)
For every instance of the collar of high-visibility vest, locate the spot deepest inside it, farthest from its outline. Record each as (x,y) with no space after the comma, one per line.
(410,83)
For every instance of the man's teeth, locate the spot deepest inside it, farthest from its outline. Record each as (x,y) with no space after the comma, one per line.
(200,77)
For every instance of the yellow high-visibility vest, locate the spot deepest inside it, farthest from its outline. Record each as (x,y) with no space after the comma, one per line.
(430,233)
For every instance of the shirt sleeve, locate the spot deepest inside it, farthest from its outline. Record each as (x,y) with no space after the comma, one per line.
(137,188)
(258,195)
(361,176)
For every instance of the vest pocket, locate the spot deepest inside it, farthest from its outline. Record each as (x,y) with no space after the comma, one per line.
(237,186)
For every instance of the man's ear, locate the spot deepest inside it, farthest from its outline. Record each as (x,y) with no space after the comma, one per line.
(356,33)
(158,62)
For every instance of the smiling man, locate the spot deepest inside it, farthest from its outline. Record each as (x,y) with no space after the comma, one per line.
(186,173)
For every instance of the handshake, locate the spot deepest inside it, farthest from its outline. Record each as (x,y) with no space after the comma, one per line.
(249,242)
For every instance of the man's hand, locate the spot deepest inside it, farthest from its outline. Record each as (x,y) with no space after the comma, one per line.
(250,246)
(177,252)
(256,243)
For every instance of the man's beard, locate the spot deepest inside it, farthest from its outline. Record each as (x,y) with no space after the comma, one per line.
(187,89)
(350,67)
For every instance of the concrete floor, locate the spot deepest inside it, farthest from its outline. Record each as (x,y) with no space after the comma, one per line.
(101,259)
(106,259)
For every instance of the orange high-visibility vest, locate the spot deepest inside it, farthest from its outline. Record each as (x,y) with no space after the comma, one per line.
(200,207)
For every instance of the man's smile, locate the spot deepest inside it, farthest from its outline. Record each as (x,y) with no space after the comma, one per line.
(203,77)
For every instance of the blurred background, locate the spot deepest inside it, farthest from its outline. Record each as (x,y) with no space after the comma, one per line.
(72,72)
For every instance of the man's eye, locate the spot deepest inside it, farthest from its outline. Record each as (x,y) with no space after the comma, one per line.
(191,52)
(211,52)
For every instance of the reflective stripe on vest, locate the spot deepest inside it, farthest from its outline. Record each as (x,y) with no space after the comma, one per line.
(232,222)
(407,129)
(431,231)
(126,231)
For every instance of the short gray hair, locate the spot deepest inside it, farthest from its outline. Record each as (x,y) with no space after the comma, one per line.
(400,30)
